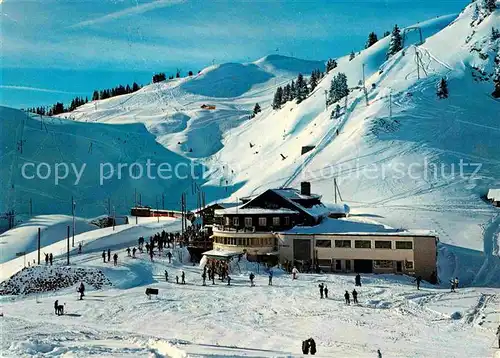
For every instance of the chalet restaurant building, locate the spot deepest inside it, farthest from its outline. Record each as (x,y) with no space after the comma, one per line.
(338,245)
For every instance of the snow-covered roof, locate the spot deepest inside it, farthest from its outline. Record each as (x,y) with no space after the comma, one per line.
(294,194)
(224,205)
(354,227)
(222,253)
(338,208)
(494,194)
(254,211)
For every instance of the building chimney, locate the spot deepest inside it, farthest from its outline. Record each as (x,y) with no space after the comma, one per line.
(305,188)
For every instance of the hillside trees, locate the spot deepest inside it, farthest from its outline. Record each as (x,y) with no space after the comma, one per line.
(496,77)
(302,89)
(372,40)
(330,65)
(158,77)
(396,43)
(338,88)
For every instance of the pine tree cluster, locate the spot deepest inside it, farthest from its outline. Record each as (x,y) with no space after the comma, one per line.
(298,89)
(256,110)
(495,34)
(330,65)
(396,43)
(372,40)
(76,102)
(338,88)
(158,77)
(496,77)
(490,6)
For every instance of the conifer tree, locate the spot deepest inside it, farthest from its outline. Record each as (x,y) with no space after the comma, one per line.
(496,77)
(442,89)
(278,98)
(372,39)
(301,88)
(490,5)
(95,96)
(475,14)
(135,87)
(313,80)
(293,90)
(287,93)
(396,43)
(256,109)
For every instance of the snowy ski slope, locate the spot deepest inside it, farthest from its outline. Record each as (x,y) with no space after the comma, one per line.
(424,139)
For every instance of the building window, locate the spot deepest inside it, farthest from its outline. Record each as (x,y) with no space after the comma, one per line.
(287,221)
(227,221)
(323,243)
(409,265)
(236,221)
(363,244)
(383,264)
(404,245)
(383,245)
(262,222)
(342,243)
(276,221)
(248,222)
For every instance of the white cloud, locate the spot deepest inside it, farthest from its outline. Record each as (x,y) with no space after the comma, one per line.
(138,9)
(36,89)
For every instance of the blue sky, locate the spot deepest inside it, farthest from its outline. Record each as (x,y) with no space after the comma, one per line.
(53,50)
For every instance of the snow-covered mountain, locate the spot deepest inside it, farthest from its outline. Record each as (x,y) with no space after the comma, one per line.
(393,159)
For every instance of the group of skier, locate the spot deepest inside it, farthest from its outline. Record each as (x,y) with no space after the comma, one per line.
(49,258)
(115,257)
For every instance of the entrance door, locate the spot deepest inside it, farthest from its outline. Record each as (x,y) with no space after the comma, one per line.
(302,250)
(399,266)
(363,266)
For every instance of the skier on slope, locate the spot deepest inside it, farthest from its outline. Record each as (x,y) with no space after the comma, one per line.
(347,299)
(498,336)
(133,252)
(183,277)
(115,259)
(104,256)
(325,290)
(109,255)
(252,276)
(357,280)
(166,275)
(294,273)
(270,277)
(321,287)
(128,251)
(379,354)
(81,290)
(418,280)
(355,296)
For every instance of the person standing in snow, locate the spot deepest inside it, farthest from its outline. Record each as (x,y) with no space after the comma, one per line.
(133,252)
(169,255)
(51,258)
(128,251)
(452,284)
(456,283)
(418,280)
(347,298)
(79,247)
(166,276)
(183,277)
(46,259)
(103,256)
(498,335)
(379,354)
(357,280)
(115,259)
(270,277)
(81,290)
(252,276)
(151,254)
(325,290)
(109,255)
(228,280)
(204,277)
(321,287)
(355,296)
(56,304)
(294,273)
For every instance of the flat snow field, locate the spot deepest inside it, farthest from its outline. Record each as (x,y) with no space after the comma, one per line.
(241,321)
